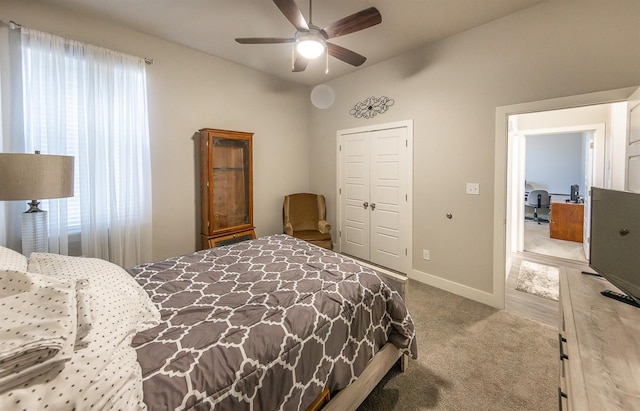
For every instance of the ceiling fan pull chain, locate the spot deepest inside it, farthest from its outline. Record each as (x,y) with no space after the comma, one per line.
(293,55)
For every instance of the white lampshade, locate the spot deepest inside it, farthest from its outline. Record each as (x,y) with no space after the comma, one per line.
(33,177)
(310,46)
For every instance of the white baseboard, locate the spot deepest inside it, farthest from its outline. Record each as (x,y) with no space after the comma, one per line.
(456,288)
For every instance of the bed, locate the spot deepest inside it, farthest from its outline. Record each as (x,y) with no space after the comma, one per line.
(272,323)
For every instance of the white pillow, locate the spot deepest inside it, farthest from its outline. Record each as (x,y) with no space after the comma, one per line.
(109,285)
(12,260)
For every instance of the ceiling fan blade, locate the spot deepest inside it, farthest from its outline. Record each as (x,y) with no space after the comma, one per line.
(355,22)
(345,55)
(264,40)
(300,64)
(292,13)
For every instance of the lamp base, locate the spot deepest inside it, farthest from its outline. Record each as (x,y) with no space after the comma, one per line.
(35,229)
(33,207)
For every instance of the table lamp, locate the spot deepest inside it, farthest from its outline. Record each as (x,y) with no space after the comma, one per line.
(31,177)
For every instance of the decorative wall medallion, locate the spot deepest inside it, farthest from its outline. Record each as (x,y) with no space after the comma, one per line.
(371,107)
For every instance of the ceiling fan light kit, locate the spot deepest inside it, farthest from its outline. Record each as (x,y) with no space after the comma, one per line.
(311,41)
(310,45)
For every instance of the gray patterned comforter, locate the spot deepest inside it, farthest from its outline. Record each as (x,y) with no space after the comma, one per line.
(264,324)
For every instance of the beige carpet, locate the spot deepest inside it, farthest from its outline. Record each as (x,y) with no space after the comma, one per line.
(471,357)
(538,279)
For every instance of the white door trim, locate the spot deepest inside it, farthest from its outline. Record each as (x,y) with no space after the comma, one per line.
(632,149)
(407,221)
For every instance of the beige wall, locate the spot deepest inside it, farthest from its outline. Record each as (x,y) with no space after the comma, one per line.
(452,89)
(189,90)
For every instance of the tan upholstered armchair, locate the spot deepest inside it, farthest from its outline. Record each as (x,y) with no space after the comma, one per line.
(304,218)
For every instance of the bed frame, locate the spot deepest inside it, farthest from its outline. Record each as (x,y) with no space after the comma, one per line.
(349,398)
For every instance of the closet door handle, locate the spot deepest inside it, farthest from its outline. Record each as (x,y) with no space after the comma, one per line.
(365,205)
(373,206)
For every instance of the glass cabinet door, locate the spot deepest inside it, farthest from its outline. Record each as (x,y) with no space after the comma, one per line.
(226,186)
(230,196)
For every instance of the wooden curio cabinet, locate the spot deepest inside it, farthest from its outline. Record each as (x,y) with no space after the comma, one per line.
(226,187)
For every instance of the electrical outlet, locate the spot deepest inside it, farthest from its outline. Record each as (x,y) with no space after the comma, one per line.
(426,255)
(473,188)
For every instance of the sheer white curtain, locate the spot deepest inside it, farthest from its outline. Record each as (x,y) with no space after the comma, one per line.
(12,127)
(90,102)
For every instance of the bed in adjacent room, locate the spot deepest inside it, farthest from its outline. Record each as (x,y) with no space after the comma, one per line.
(271,323)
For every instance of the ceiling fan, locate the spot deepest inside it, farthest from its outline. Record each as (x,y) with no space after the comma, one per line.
(311,41)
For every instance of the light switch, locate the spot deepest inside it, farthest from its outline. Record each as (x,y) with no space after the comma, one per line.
(473,188)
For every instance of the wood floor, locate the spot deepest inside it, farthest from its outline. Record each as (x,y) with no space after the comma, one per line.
(547,251)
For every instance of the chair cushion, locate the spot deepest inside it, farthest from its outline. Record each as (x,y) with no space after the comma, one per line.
(324,244)
(312,235)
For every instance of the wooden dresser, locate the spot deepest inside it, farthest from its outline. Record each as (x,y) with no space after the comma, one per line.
(599,347)
(566,221)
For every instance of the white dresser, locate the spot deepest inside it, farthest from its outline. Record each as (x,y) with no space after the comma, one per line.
(599,347)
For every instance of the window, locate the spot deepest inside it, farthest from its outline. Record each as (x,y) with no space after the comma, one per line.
(90,102)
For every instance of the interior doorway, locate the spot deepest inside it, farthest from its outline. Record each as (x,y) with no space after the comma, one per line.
(504,181)
(574,150)
(559,164)
(585,140)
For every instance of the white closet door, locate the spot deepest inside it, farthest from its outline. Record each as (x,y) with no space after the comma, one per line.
(389,196)
(354,155)
(375,167)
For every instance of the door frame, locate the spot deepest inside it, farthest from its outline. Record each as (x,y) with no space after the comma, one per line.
(595,172)
(632,148)
(501,212)
(407,221)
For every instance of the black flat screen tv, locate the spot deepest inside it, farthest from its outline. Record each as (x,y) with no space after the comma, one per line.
(615,241)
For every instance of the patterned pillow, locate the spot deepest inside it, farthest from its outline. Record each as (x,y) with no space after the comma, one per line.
(12,260)
(109,284)
(37,329)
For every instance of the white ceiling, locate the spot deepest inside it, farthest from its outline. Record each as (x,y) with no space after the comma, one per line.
(212,26)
